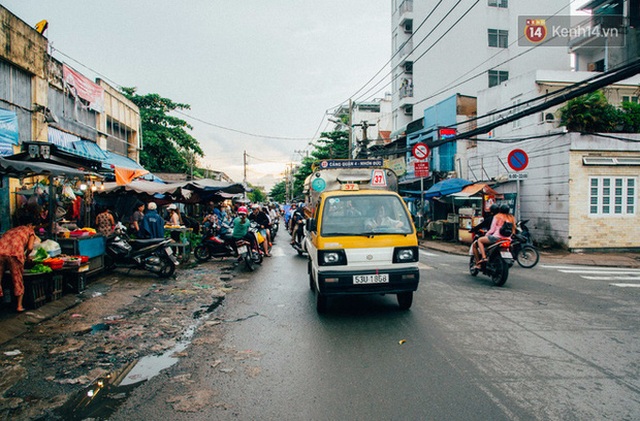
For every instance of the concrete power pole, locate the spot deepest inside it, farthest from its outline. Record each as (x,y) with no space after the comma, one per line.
(365,140)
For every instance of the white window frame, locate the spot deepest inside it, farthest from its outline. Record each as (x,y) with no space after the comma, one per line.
(613,196)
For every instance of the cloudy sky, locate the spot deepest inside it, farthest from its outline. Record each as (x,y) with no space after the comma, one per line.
(266,68)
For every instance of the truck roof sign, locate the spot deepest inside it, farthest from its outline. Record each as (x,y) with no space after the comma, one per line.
(351,163)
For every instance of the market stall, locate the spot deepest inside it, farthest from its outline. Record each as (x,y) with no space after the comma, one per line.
(40,193)
(473,203)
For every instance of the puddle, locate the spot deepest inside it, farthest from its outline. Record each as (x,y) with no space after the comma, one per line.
(103,397)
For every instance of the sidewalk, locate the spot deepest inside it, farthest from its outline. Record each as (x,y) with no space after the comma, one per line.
(550,257)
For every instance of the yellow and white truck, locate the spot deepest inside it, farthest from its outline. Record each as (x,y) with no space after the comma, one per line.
(360,236)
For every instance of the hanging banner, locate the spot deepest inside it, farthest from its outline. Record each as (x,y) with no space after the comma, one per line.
(9,132)
(84,88)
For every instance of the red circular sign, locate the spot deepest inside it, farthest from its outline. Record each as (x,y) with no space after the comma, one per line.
(518,159)
(420,151)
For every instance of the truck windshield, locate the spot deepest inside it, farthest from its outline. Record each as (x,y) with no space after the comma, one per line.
(365,215)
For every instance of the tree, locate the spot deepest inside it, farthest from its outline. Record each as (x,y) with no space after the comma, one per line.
(257,195)
(278,192)
(630,117)
(168,147)
(331,145)
(590,113)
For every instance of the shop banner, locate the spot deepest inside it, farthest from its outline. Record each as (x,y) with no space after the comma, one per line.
(9,132)
(84,88)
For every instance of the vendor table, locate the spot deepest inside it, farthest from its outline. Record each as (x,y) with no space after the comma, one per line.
(181,248)
(92,246)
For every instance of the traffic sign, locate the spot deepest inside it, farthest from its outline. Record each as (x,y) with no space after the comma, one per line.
(420,151)
(421,168)
(518,175)
(518,159)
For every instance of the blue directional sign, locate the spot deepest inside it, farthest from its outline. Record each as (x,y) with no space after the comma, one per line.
(518,159)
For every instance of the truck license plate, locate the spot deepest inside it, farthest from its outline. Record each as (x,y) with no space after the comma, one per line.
(382,278)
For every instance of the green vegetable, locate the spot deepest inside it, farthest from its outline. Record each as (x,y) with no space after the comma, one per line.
(40,268)
(40,255)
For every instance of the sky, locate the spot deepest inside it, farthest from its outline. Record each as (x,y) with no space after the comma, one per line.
(267,68)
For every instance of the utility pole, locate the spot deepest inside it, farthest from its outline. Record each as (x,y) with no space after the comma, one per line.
(244,180)
(350,129)
(365,140)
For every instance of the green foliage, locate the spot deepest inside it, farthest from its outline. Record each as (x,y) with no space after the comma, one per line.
(630,117)
(278,192)
(331,145)
(168,147)
(257,195)
(592,113)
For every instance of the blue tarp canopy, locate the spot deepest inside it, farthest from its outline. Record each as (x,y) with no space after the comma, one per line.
(443,188)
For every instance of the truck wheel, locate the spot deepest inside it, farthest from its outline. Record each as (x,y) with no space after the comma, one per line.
(321,303)
(405,299)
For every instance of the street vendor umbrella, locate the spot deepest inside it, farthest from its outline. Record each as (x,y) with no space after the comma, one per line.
(446,187)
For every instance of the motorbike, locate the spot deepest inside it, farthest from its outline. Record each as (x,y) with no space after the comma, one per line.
(216,243)
(522,248)
(297,237)
(499,260)
(247,250)
(222,244)
(153,255)
(275,225)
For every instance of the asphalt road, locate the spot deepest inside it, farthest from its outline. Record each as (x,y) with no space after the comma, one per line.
(555,343)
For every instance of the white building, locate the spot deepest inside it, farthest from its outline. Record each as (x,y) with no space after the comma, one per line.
(479,51)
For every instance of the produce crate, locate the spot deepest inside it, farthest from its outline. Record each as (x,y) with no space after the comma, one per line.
(74,281)
(36,287)
(56,286)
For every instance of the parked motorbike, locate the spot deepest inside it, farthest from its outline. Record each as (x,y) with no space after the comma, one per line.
(499,260)
(153,255)
(522,248)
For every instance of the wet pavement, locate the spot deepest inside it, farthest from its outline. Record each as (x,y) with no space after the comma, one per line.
(123,329)
(551,256)
(80,356)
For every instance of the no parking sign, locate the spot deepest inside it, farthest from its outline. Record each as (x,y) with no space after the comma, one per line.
(518,159)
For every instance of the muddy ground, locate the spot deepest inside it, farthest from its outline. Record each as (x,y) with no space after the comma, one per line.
(119,319)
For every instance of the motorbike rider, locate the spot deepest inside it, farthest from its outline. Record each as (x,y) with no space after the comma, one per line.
(494,233)
(241,227)
(486,222)
(297,224)
(261,218)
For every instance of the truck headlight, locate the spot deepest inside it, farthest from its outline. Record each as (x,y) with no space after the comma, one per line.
(405,254)
(332,258)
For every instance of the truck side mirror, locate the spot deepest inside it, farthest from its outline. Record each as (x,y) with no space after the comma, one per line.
(311,224)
